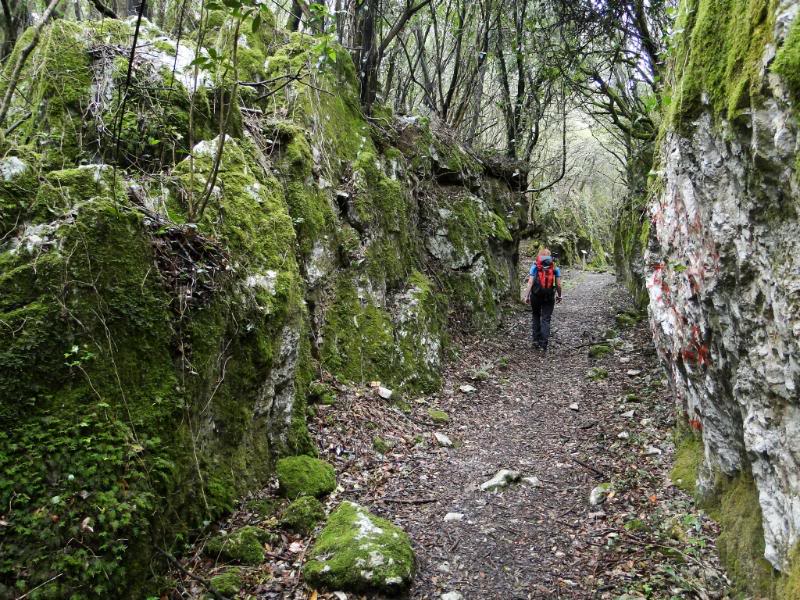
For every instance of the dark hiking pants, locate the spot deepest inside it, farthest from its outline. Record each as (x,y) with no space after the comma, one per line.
(542,312)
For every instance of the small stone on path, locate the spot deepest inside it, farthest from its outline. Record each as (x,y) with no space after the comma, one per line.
(384,393)
(467,389)
(599,494)
(628,414)
(453,516)
(442,439)
(634,372)
(652,451)
(452,596)
(501,480)
(532,481)
(623,435)
(574,406)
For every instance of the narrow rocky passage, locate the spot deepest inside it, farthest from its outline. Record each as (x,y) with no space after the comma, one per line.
(568,423)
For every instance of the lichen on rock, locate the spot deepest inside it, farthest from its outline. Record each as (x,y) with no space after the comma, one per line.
(360,552)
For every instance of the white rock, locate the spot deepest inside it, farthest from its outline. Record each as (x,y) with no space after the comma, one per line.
(652,451)
(599,494)
(453,516)
(11,167)
(628,414)
(634,372)
(623,435)
(532,481)
(625,360)
(467,388)
(574,406)
(442,439)
(501,480)
(452,596)
(645,422)
(384,393)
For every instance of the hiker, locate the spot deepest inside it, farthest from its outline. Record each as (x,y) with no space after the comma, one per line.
(542,293)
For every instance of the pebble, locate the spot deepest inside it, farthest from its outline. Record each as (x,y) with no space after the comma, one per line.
(453,516)
(467,388)
(629,414)
(599,494)
(646,422)
(452,596)
(442,439)
(574,406)
(623,435)
(384,393)
(634,372)
(532,481)
(625,359)
(501,480)
(652,451)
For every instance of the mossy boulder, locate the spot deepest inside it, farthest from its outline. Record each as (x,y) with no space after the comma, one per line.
(599,351)
(228,583)
(305,476)
(360,552)
(597,374)
(303,514)
(438,416)
(245,545)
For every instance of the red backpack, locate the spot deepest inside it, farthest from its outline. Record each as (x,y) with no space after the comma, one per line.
(544,285)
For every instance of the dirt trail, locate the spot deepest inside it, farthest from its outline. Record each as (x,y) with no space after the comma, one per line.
(544,417)
(521,541)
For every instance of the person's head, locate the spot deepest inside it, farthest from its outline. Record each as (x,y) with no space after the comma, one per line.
(544,251)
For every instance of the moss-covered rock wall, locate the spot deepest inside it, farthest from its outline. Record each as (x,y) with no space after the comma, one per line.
(723,273)
(167,297)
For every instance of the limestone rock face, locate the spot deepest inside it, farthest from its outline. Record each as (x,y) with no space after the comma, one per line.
(724,265)
(167,311)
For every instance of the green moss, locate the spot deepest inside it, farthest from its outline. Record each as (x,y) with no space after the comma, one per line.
(438,416)
(626,320)
(305,476)
(741,540)
(228,583)
(734,504)
(321,393)
(264,508)
(688,459)
(358,337)
(59,99)
(165,46)
(245,545)
(360,552)
(380,445)
(308,205)
(597,374)
(599,351)
(719,55)
(787,60)
(303,514)
(113,367)
(19,181)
